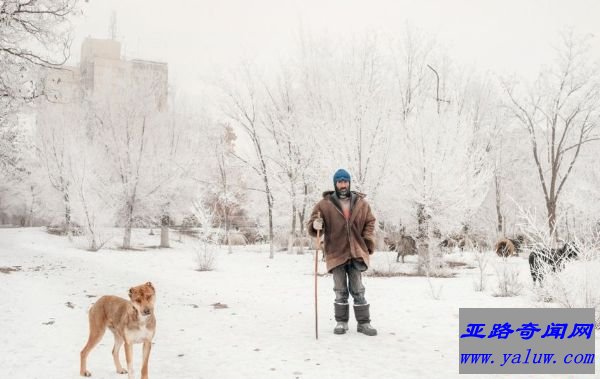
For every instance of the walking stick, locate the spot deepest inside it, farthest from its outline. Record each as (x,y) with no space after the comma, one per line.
(316,271)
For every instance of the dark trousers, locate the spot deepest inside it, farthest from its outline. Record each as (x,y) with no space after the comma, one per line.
(347,280)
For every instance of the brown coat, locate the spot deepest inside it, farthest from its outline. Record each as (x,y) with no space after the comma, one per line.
(345,240)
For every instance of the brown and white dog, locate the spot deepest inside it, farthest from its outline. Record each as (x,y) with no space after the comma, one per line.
(130,322)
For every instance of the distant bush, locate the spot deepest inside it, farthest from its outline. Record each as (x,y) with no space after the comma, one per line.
(190,221)
(61,229)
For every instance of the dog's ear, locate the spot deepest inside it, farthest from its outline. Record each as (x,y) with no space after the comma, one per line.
(149,284)
(131,292)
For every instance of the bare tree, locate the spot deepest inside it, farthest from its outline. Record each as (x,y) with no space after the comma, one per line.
(243,108)
(175,145)
(410,56)
(223,175)
(12,144)
(34,36)
(561,113)
(364,113)
(445,181)
(227,194)
(132,133)
(477,102)
(294,153)
(58,132)
(444,157)
(349,106)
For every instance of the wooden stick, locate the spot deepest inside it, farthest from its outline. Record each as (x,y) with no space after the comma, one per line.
(316,276)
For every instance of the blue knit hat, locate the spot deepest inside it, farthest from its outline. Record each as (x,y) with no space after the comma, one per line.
(341,174)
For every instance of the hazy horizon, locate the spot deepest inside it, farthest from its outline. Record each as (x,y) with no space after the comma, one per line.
(195,37)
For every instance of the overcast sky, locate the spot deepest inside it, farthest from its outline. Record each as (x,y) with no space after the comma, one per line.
(504,36)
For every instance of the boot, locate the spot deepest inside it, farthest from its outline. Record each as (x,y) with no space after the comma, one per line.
(342,314)
(361,312)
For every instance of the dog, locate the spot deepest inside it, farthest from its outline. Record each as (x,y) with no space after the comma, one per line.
(505,248)
(130,322)
(554,259)
(403,245)
(448,244)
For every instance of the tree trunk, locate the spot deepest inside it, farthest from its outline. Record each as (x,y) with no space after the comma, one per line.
(551,208)
(94,244)
(2,215)
(91,232)
(127,236)
(422,240)
(271,236)
(128,226)
(424,258)
(292,235)
(68,231)
(567,228)
(499,215)
(30,223)
(227,232)
(302,212)
(269,201)
(164,231)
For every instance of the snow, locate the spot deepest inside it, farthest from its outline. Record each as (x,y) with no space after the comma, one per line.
(266,329)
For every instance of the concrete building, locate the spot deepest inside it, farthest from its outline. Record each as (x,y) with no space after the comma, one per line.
(63,85)
(103,72)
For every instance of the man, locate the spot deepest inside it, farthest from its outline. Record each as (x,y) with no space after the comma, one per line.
(348,225)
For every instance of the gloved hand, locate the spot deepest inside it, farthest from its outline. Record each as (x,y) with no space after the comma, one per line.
(318,224)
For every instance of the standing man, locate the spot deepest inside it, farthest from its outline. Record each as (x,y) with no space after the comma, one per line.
(348,226)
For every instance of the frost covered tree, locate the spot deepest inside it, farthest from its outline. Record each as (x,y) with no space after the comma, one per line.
(561,113)
(352,108)
(411,87)
(477,105)
(20,184)
(580,204)
(34,36)
(134,137)
(222,183)
(294,150)
(243,108)
(409,57)
(443,157)
(60,137)
(445,180)
(170,186)
(74,166)
(12,143)
(114,155)
(364,114)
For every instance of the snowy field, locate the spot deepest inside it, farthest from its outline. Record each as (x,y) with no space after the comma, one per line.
(266,329)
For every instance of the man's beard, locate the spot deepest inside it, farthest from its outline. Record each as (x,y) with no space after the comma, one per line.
(343,193)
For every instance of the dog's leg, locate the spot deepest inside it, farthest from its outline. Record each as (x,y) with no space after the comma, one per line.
(96,333)
(115,352)
(147,347)
(129,358)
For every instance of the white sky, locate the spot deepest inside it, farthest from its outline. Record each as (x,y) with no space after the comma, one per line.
(503,36)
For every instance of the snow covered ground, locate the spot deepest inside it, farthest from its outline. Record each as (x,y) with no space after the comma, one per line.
(266,330)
